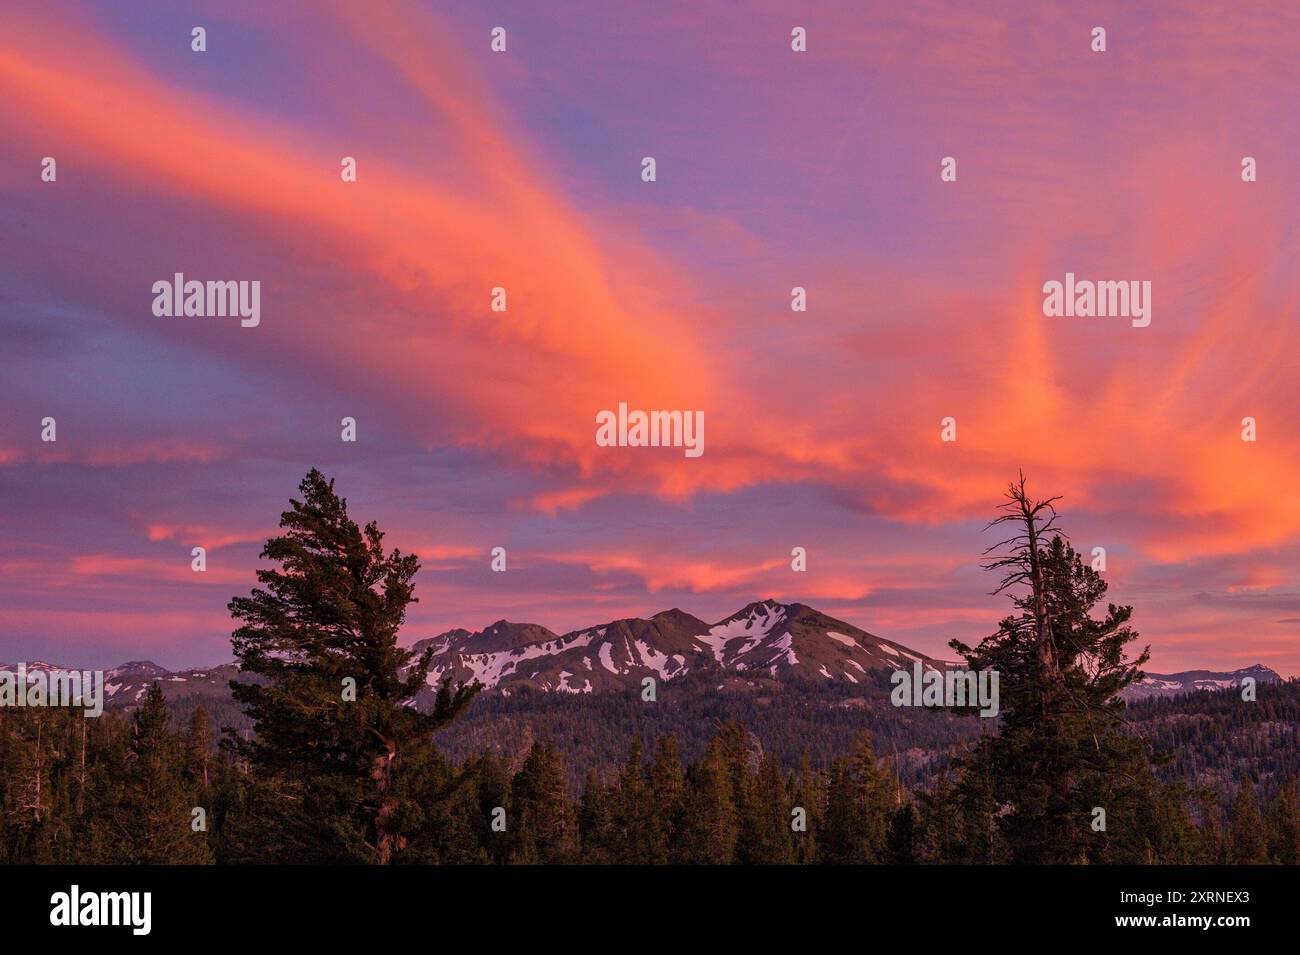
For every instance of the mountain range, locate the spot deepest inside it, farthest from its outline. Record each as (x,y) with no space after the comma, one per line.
(1189,681)
(763,644)
(764,640)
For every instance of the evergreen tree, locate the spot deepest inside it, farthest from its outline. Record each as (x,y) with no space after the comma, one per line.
(493,789)
(1247,839)
(595,822)
(1284,825)
(875,792)
(859,803)
(667,784)
(982,840)
(901,843)
(1060,750)
(767,836)
(148,814)
(329,691)
(708,832)
(198,746)
(842,834)
(1146,823)
(809,795)
(455,820)
(545,826)
(1211,849)
(939,823)
(632,811)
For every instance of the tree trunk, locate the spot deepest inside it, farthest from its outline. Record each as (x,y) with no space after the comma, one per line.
(40,766)
(382,773)
(81,773)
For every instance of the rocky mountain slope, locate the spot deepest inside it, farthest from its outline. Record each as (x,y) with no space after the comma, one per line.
(764,640)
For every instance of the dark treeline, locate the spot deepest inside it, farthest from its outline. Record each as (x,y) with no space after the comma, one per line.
(341,767)
(124,789)
(1212,739)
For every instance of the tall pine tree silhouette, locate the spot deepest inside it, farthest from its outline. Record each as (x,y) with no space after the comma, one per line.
(1060,751)
(336,740)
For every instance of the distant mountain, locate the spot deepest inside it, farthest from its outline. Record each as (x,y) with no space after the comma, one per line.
(1189,681)
(33,666)
(764,640)
(124,685)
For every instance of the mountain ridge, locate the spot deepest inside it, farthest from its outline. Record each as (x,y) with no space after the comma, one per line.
(764,642)
(765,638)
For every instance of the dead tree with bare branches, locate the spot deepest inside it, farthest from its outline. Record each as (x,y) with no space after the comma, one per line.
(1061,751)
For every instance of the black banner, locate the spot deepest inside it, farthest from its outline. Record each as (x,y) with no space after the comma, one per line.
(931,906)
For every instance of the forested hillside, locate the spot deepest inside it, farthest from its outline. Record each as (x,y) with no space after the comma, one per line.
(1215,739)
(793,720)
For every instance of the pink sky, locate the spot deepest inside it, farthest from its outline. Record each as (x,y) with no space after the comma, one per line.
(775,169)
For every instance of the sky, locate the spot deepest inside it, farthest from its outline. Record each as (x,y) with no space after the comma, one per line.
(523,170)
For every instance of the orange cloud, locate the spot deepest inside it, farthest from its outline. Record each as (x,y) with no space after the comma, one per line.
(211,538)
(437,251)
(154,569)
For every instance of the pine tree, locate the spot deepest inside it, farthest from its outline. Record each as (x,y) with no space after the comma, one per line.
(1284,825)
(766,834)
(982,840)
(859,803)
(708,833)
(1211,849)
(455,821)
(939,823)
(28,804)
(492,780)
(667,783)
(595,823)
(328,689)
(544,821)
(148,813)
(198,745)
(809,794)
(31,771)
(901,841)
(1060,750)
(742,754)
(1247,839)
(874,790)
(631,811)
(842,835)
